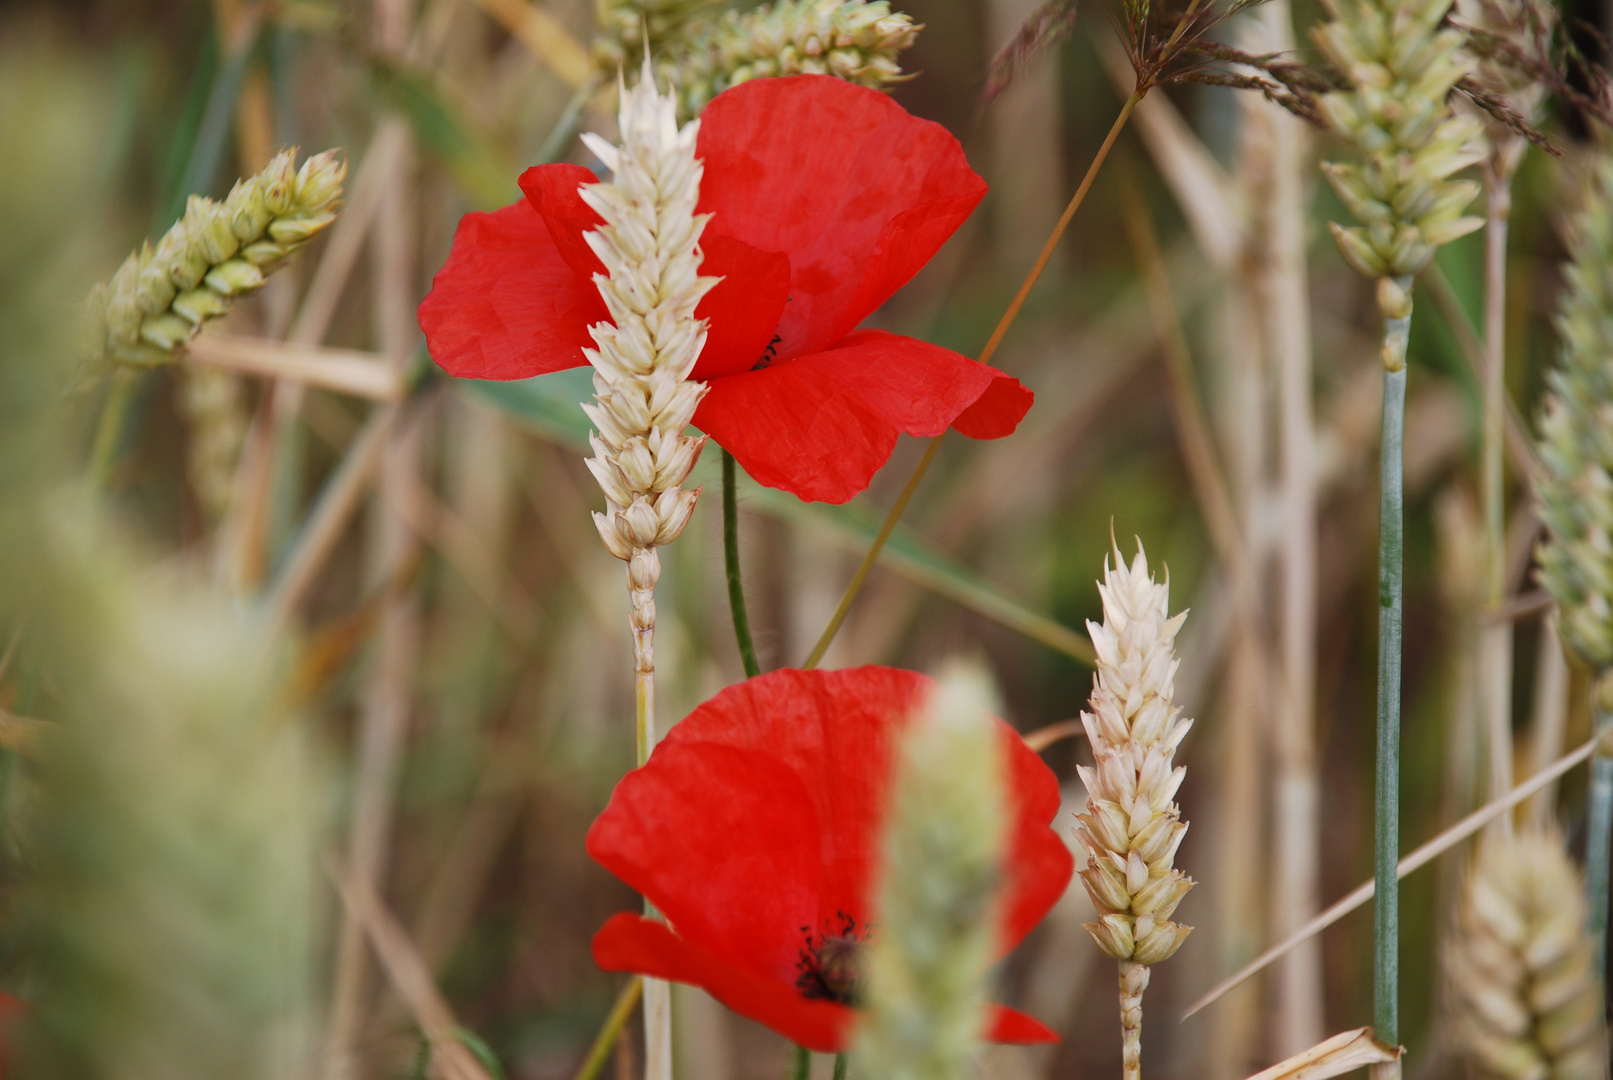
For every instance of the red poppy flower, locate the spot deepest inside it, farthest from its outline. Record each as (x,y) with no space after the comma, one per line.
(827,198)
(754,828)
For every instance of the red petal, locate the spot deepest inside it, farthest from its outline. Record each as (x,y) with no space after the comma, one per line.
(833,730)
(1005,1025)
(632,943)
(506,305)
(744,308)
(821,425)
(552,191)
(997,412)
(1039,864)
(795,431)
(854,189)
(725,842)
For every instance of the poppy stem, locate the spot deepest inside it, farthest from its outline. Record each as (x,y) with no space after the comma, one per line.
(1007,320)
(840,1066)
(612,1029)
(1057,234)
(801,1066)
(730,554)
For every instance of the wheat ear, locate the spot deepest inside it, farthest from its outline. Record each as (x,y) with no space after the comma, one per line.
(1131,828)
(643,396)
(216,252)
(1525,1000)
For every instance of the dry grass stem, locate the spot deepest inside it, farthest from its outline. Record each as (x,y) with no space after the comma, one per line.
(451,1059)
(331,514)
(1421,857)
(346,371)
(545,37)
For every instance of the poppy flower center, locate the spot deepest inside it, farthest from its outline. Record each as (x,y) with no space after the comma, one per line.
(831,964)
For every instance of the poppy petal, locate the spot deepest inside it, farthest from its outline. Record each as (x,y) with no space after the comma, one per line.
(919,387)
(745,306)
(798,432)
(725,842)
(553,192)
(834,729)
(856,191)
(1005,1025)
(820,426)
(506,305)
(997,412)
(633,943)
(1040,865)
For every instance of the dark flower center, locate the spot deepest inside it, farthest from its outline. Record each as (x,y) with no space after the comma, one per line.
(831,964)
(769,354)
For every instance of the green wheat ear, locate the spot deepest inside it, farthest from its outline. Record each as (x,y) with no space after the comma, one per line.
(1576,484)
(169,909)
(931,954)
(216,252)
(849,39)
(1402,63)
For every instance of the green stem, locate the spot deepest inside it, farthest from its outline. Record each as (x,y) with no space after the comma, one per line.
(1599,827)
(1386,899)
(605,1041)
(110,424)
(730,552)
(986,354)
(801,1066)
(840,1066)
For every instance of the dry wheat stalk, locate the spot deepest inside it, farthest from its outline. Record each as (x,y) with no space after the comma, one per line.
(643,396)
(1525,1002)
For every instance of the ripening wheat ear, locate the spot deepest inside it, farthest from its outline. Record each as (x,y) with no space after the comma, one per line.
(159,297)
(852,40)
(1576,496)
(1131,829)
(1525,1001)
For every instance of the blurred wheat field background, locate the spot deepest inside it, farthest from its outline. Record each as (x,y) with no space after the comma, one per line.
(295,615)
